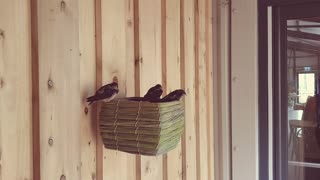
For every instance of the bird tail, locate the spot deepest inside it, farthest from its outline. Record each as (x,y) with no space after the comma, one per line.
(91,99)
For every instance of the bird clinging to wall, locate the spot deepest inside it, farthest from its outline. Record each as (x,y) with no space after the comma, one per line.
(175,95)
(105,93)
(153,94)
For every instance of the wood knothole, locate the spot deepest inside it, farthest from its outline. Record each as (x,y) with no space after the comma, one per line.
(86,110)
(1,34)
(63,5)
(50,83)
(50,141)
(63,177)
(1,83)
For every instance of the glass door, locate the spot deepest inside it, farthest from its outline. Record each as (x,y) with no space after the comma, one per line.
(296,88)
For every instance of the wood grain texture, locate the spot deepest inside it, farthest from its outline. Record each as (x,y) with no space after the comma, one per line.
(189,69)
(150,70)
(118,64)
(98,43)
(59,86)
(67,49)
(183,86)
(209,80)
(87,87)
(173,79)
(203,91)
(15,91)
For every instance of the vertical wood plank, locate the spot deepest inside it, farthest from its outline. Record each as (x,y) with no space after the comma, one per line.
(87,87)
(209,80)
(222,88)
(59,86)
(173,79)
(197,88)
(150,70)
(15,91)
(203,91)
(118,64)
(183,85)
(189,69)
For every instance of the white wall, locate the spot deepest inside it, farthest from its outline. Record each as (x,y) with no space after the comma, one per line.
(244,89)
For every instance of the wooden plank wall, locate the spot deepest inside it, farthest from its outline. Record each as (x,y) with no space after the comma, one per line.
(68,48)
(15,91)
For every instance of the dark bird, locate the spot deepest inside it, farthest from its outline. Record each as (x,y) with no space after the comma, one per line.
(175,95)
(105,93)
(153,93)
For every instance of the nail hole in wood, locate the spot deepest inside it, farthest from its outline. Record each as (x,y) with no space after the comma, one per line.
(50,141)
(86,110)
(63,177)
(50,83)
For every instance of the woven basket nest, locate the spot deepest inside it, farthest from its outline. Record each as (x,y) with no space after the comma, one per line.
(141,127)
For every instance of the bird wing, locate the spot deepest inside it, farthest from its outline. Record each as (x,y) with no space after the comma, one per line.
(101,90)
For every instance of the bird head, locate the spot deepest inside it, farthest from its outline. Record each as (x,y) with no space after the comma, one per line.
(158,86)
(114,85)
(180,92)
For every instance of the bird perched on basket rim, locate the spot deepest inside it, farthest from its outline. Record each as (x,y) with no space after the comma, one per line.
(106,93)
(175,95)
(153,94)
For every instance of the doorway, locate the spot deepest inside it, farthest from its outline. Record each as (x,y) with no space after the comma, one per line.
(296,51)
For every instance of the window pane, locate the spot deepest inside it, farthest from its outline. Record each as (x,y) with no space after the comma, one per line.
(303,62)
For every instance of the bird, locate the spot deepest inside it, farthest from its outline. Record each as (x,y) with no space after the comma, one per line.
(105,93)
(175,95)
(153,94)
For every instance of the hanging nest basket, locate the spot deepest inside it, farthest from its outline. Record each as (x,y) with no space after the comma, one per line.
(141,127)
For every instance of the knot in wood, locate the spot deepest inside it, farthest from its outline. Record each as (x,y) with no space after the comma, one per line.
(1,34)
(50,83)
(63,177)
(62,5)
(50,141)
(1,83)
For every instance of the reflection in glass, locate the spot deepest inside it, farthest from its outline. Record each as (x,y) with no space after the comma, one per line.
(303,62)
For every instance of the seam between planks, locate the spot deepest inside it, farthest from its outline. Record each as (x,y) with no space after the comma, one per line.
(35,90)
(98,42)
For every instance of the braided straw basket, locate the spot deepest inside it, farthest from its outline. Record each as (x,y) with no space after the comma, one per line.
(141,127)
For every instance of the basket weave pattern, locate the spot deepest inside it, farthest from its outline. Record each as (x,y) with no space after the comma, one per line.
(141,127)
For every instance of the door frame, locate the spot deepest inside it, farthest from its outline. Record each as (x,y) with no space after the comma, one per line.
(281,11)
